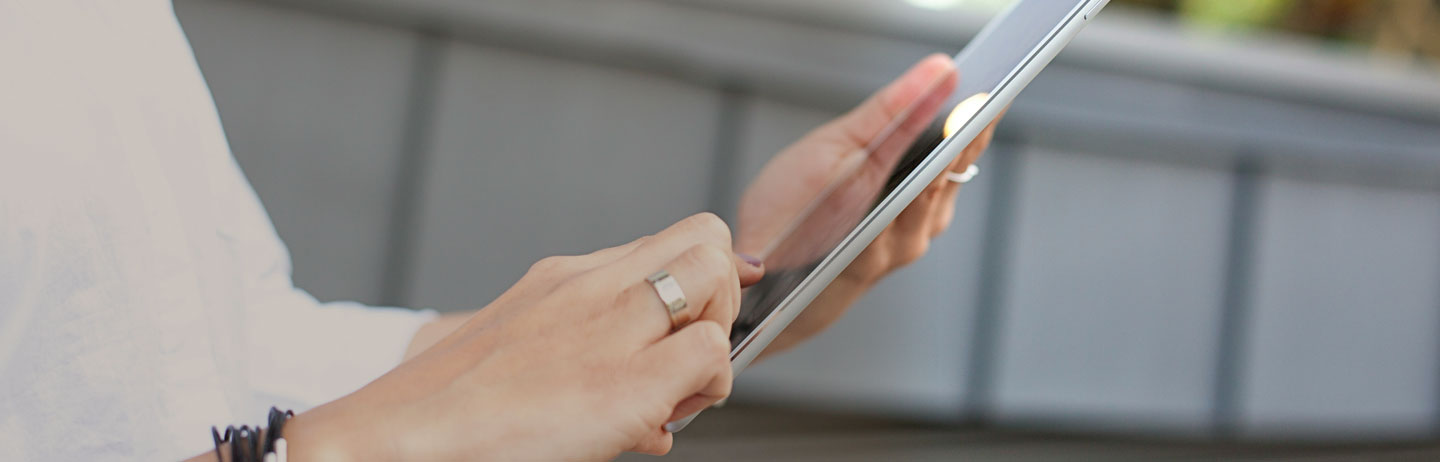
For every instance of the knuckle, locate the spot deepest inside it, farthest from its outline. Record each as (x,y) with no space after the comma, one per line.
(712,340)
(715,340)
(707,219)
(548,264)
(943,225)
(711,259)
(726,375)
(712,225)
(915,251)
(657,448)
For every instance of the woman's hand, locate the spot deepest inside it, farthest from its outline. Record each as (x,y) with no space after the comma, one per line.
(577,361)
(798,174)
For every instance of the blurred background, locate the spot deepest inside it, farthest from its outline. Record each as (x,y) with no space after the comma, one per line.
(1210,229)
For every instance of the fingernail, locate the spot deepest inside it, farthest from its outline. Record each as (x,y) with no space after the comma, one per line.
(749,259)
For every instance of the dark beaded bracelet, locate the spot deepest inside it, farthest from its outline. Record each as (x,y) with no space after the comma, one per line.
(246,443)
(274,426)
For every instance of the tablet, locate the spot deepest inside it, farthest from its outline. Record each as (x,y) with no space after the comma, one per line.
(896,166)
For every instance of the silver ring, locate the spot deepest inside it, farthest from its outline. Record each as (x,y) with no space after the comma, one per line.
(965,177)
(673,298)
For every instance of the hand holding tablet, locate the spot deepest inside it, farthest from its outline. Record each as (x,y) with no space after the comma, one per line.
(836,212)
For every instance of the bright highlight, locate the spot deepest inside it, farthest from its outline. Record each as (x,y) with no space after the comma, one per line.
(963,112)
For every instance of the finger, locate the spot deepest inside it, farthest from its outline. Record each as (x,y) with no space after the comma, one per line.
(750,272)
(933,211)
(711,288)
(944,185)
(650,256)
(716,281)
(749,269)
(970,154)
(944,211)
(695,361)
(657,443)
(914,220)
(933,208)
(690,406)
(976,148)
(870,119)
(908,237)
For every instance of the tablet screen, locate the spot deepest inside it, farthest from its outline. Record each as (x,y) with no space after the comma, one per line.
(868,177)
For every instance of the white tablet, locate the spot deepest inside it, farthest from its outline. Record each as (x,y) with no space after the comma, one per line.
(1007,53)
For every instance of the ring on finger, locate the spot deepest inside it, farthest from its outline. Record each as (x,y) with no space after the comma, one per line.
(673,297)
(963,177)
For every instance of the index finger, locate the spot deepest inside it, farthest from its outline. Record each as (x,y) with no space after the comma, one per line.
(700,229)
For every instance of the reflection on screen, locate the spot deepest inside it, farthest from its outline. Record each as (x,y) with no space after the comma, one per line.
(870,175)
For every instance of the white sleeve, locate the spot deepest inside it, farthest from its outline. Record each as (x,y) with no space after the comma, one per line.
(302,353)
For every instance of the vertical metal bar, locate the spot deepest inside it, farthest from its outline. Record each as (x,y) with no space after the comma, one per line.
(1435,419)
(725,160)
(1234,326)
(412,166)
(995,255)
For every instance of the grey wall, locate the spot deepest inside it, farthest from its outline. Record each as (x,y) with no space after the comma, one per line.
(1115,289)
(1154,245)
(536,156)
(315,111)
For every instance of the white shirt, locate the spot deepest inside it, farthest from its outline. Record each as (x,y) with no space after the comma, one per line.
(144,294)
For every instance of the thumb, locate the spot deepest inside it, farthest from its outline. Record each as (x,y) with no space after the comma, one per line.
(871,118)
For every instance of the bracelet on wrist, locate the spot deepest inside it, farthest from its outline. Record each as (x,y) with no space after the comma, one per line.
(256,444)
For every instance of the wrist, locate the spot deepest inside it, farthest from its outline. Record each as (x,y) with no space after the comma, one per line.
(325,434)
